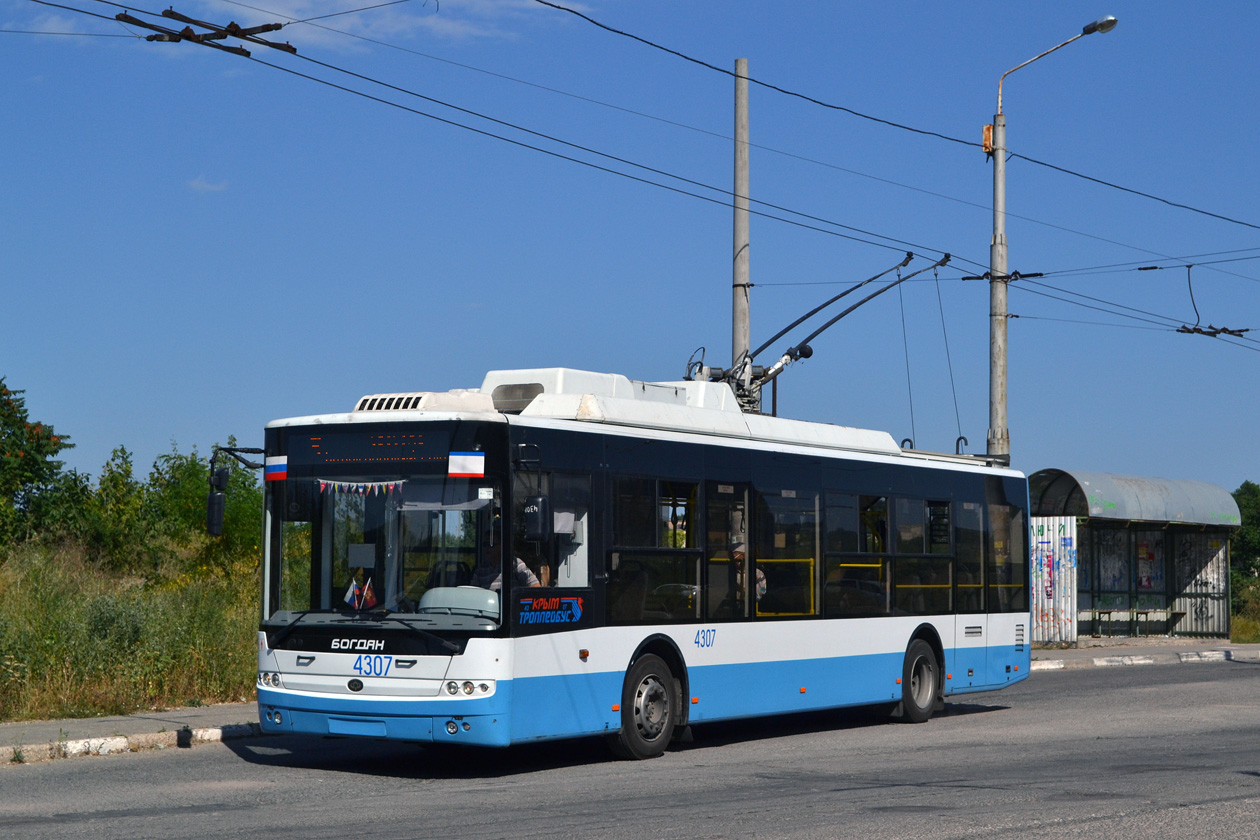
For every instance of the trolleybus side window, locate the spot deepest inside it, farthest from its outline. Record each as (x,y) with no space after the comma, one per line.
(785,576)
(563,559)
(970,558)
(654,565)
(727,549)
(923,578)
(1007,572)
(856,574)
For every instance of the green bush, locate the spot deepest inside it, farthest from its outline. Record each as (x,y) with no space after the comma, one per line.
(75,641)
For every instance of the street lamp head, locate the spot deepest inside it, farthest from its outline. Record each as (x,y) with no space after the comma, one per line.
(1105,24)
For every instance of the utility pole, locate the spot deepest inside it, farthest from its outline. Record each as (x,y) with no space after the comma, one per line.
(999,439)
(740,331)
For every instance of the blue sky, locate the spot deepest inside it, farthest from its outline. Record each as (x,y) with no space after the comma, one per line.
(195,243)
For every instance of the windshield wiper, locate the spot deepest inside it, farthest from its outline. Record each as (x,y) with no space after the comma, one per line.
(406,622)
(283,632)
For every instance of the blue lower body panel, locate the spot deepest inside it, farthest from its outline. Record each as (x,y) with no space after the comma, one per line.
(544,708)
(481,722)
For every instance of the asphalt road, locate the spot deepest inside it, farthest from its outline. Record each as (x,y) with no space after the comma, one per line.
(1168,751)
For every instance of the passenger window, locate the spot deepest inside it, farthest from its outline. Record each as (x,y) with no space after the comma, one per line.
(909,520)
(676,508)
(842,523)
(855,586)
(969,561)
(873,521)
(654,570)
(634,511)
(1008,589)
(785,565)
(939,528)
(923,586)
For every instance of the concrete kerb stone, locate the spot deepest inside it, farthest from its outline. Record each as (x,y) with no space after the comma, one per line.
(32,753)
(1187,657)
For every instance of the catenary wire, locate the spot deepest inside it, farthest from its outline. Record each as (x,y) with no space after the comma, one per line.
(78,34)
(352,11)
(900,243)
(890,123)
(696,129)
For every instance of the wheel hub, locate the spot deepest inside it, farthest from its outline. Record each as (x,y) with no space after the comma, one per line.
(651,708)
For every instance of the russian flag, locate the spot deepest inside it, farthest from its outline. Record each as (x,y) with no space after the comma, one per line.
(466,465)
(277,468)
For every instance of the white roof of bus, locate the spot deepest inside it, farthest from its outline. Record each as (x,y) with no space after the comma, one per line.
(564,394)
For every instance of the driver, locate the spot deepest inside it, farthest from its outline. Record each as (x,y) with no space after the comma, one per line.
(489,571)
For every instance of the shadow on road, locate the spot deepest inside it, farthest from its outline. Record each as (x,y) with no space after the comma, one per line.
(404,760)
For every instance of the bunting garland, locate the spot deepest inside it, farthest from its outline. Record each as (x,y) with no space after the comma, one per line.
(360,488)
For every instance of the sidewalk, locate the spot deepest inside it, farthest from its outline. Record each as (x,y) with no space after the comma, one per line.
(1092,652)
(30,741)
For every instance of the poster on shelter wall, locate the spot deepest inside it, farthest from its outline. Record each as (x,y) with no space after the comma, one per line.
(1150,562)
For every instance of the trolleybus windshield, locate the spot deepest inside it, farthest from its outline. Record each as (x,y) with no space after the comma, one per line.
(406,539)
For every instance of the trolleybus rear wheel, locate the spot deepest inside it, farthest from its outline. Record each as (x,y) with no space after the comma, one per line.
(919,682)
(649,708)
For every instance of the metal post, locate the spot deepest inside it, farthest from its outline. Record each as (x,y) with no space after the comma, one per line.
(999,440)
(740,341)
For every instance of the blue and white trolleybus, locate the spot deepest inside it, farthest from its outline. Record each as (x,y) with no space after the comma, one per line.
(561,553)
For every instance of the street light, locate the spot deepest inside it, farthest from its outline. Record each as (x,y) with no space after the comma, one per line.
(999,441)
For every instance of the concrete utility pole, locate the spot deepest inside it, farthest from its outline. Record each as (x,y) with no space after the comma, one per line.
(740,331)
(999,439)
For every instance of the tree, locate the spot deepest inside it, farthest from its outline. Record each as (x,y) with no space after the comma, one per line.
(1244,545)
(27,459)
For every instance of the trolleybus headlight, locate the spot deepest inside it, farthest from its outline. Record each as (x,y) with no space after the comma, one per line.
(451,726)
(452,687)
(484,688)
(468,687)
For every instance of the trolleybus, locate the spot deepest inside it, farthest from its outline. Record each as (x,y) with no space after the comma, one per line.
(561,553)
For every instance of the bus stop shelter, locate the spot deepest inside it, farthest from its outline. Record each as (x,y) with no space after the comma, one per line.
(1152,554)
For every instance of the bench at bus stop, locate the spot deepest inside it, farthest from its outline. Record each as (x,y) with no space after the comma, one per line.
(1137,620)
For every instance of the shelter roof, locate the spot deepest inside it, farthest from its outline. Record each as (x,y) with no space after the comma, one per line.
(1098,495)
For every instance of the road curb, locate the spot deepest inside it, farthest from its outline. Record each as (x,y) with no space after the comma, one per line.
(185,738)
(1187,657)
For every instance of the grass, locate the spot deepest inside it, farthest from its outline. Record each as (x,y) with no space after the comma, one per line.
(1245,630)
(78,641)
(1245,624)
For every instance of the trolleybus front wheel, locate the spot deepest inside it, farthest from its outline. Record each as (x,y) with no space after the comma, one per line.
(919,682)
(649,709)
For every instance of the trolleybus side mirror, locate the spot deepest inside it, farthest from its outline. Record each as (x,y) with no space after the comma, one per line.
(214,512)
(538,523)
(216,501)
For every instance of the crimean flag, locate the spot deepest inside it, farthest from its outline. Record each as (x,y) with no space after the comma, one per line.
(466,465)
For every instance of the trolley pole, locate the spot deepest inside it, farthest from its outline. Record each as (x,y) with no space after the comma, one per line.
(740,331)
